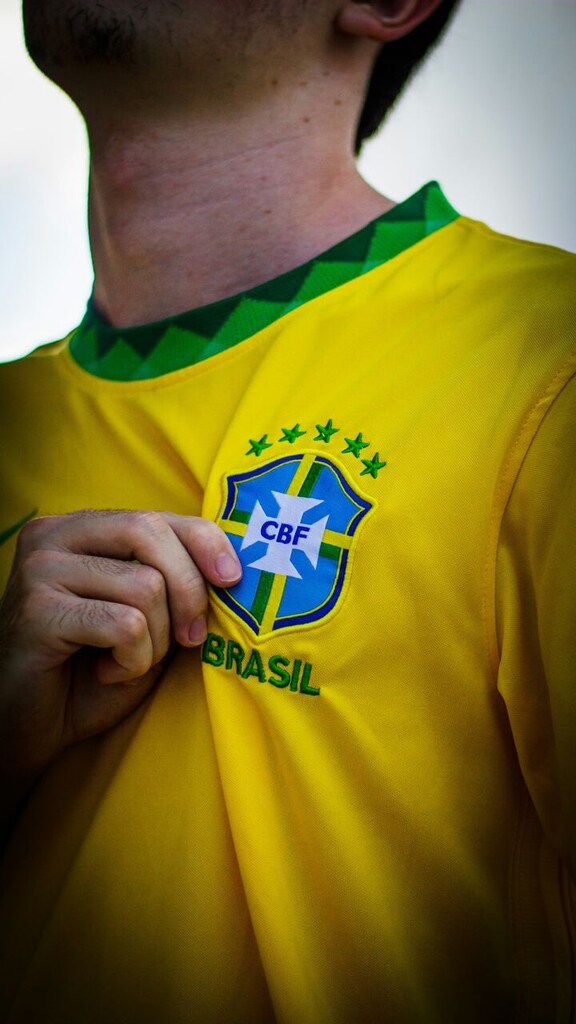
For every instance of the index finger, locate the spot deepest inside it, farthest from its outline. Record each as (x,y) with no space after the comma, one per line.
(209,547)
(185,549)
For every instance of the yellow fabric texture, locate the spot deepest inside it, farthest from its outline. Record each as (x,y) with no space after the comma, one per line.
(395,847)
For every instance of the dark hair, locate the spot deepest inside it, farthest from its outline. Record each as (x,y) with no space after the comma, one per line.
(394,65)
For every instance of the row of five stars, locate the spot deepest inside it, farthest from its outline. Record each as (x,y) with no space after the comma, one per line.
(353,445)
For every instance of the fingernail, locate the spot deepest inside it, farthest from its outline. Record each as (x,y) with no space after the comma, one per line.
(198,631)
(228,568)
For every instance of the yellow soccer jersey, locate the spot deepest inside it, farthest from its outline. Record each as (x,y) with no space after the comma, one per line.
(356,804)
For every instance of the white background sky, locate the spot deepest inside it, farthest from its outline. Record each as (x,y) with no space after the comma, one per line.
(492,117)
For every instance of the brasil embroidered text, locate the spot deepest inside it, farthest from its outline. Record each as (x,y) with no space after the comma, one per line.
(278,670)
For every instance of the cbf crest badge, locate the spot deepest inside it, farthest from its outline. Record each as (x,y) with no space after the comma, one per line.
(293,523)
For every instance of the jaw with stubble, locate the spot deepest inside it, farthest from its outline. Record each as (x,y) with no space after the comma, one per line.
(160,55)
(63,33)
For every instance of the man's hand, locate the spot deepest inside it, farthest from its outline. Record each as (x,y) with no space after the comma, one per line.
(94,604)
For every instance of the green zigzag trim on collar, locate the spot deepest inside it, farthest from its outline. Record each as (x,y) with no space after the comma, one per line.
(142,353)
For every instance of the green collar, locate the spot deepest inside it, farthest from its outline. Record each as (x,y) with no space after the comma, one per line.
(141,353)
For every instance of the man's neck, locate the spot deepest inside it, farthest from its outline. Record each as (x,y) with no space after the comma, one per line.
(189,211)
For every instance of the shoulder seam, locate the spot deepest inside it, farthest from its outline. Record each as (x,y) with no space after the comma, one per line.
(506,480)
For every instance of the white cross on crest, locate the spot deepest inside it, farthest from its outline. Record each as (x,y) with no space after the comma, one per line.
(284,534)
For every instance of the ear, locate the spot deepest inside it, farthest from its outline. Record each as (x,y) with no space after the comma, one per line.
(384,20)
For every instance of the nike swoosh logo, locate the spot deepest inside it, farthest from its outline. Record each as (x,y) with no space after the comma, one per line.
(6,534)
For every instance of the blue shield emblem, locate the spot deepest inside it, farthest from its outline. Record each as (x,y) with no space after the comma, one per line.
(292,523)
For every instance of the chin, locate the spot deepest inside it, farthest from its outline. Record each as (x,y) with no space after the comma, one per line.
(61,33)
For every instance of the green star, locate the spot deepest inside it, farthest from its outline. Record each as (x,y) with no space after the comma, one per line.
(292,435)
(257,447)
(373,466)
(356,446)
(325,433)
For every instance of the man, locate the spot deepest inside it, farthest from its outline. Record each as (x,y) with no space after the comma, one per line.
(298,744)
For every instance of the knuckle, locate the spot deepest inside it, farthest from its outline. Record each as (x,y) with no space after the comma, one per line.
(33,533)
(148,524)
(131,625)
(149,583)
(205,530)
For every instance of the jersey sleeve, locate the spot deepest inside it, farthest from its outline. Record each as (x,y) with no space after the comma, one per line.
(536,620)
